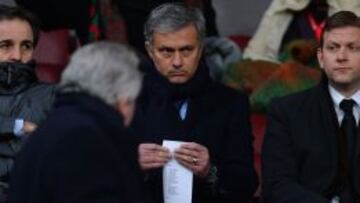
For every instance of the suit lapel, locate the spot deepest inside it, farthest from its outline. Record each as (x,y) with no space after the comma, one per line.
(329,123)
(332,129)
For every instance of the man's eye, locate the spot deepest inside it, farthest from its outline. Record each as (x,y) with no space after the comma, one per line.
(355,48)
(166,52)
(5,45)
(186,52)
(331,47)
(27,46)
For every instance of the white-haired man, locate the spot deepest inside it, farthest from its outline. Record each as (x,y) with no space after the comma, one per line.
(82,153)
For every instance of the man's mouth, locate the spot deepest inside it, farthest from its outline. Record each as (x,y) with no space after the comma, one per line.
(178,74)
(341,69)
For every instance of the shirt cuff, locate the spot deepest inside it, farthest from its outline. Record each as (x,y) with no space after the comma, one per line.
(18,127)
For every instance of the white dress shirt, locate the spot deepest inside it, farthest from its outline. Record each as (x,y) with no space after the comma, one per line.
(337,97)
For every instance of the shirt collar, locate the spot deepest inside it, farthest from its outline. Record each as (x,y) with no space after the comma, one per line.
(337,97)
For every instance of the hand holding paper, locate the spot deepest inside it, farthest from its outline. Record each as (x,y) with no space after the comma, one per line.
(194,157)
(152,156)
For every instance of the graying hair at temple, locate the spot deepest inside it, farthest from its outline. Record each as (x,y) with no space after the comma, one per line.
(104,69)
(171,17)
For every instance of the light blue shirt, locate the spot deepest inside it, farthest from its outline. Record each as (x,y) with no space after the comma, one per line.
(19,124)
(183,110)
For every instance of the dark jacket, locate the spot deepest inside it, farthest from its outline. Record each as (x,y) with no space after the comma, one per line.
(32,104)
(80,154)
(300,151)
(217,117)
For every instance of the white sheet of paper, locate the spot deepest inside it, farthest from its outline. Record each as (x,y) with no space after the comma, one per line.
(177,180)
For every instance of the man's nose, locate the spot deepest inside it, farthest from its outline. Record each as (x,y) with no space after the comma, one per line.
(177,60)
(15,54)
(342,55)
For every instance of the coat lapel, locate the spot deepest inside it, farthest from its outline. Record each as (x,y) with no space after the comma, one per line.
(329,124)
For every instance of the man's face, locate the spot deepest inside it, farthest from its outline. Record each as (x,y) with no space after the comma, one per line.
(176,54)
(339,57)
(16,41)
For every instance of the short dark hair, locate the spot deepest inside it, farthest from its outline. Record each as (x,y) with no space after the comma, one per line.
(339,20)
(11,13)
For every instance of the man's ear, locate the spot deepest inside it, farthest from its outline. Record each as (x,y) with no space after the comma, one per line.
(126,108)
(320,57)
(148,49)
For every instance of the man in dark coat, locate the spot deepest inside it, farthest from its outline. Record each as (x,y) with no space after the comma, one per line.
(311,148)
(180,102)
(82,152)
(24,101)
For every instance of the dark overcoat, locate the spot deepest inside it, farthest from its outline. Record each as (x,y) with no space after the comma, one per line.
(217,118)
(80,154)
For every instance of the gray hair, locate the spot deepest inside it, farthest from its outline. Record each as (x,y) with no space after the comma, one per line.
(170,17)
(106,70)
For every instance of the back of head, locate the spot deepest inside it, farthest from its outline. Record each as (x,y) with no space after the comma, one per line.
(171,17)
(12,13)
(106,70)
(339,20)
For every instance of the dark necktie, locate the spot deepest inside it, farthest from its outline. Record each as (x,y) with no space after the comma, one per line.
(348,126)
